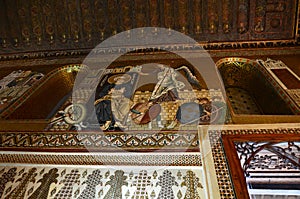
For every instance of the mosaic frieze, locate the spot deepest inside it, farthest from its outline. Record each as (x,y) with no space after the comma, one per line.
(179,140)
(258,131)
(103,182)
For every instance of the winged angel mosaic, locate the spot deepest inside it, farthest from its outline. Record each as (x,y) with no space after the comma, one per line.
(155,95)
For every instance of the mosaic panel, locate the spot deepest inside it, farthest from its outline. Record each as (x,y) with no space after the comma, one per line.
(145,93)
(102,182)
(61,121)
(123,90)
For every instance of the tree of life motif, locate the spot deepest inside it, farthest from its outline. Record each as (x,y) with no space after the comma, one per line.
(166,181)
(42,191)
(70,179)
(8,176)
(93,180)
(116,182)
(141,181)
(20,190)
(192,183)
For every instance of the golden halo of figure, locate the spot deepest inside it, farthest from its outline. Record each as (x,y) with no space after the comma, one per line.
(119,79)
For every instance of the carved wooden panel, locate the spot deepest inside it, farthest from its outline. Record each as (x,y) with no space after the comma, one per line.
(259,156)
(82,24)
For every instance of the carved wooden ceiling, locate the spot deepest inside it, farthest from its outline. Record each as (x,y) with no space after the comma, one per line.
(34,25)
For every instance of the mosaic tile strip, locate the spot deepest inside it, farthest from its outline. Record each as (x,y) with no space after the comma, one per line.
(101,141)
(222,171)
(104,182)
(179,159)
(258,131)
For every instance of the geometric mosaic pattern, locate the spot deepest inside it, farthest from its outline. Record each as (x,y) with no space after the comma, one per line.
(144,159)
(258,131)
(242,102)
(179,180)
(92,181)
(222,171)
(102,182)
(175,140)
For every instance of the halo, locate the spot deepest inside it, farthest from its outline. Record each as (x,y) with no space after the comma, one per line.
(115,79)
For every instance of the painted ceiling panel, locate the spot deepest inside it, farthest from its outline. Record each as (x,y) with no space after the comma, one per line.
(29,26)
